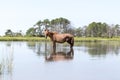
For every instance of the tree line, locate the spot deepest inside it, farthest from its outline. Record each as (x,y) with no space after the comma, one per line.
(60,25)
(63,25)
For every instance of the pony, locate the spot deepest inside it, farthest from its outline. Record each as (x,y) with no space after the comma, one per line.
(59,38)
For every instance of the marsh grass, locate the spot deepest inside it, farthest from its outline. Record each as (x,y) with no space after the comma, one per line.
(22,38)
(77,39)
(94,39)
(1,67)
(6,65)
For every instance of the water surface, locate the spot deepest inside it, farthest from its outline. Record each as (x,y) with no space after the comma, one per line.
(37,61)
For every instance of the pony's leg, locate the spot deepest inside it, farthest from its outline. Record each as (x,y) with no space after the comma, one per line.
(54,46)
(71,45)
(71,42)
(54,51)
(71,52)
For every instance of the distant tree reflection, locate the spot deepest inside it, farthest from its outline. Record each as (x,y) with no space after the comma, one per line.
(39,47)
(95,49)
(45,49)
(102,48)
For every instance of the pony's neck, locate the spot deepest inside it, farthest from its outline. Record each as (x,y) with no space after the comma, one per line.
(51,35)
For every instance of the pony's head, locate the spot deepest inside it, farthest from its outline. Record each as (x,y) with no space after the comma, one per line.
(49,33)
(46,32)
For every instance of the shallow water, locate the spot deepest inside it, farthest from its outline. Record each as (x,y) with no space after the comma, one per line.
(36,61)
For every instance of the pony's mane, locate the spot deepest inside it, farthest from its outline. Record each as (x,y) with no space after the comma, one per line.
(53,32)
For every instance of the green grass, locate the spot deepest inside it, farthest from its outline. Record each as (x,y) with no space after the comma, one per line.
(77,39)
(22,39)
(94,39)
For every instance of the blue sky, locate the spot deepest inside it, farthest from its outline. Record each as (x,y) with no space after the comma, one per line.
(23,14)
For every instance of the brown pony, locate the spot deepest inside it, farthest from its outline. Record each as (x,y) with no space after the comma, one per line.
(59,38)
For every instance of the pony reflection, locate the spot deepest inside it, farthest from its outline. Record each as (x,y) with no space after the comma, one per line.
(60,56)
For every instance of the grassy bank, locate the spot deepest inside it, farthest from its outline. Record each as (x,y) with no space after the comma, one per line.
(77,39)
(22,39)
(94,39)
